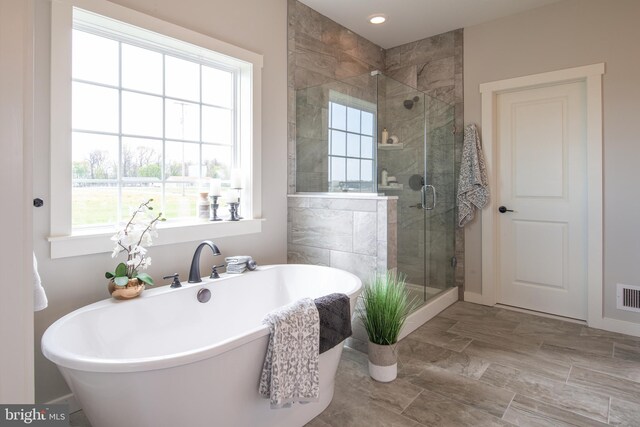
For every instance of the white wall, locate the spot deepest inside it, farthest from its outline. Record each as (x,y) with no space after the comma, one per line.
(563,35)
(16,118)
(256,25)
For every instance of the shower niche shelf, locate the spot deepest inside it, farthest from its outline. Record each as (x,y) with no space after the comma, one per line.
(398,146)
(390,187)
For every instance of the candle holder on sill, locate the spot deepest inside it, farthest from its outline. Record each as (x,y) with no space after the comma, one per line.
(233,209)
(238,207)
(214,209)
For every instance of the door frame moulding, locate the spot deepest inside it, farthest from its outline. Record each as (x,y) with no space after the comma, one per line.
(591,75)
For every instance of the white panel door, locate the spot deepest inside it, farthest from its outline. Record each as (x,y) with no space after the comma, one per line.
(541,141)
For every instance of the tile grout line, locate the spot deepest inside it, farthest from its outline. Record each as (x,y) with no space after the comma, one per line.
(508,406)
(412,400)
(569,374)
(613,350)
(537,400)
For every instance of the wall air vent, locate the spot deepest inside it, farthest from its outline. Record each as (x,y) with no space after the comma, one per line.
(628,297)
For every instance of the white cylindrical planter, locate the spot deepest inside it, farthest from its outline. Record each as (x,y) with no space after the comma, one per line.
(383,362)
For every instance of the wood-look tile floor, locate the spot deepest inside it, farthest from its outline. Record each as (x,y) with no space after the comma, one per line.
(484,366)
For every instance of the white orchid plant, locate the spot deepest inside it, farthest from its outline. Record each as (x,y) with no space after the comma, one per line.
(132,239)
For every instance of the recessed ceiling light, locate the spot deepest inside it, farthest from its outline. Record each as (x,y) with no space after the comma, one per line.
(378,18)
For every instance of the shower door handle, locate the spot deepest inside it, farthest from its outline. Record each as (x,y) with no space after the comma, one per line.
(423,196)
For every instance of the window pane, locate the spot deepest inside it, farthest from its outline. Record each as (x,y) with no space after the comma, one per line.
(94,204)
(182,120)
(141,114)
(217,125)
(338,142)
(182,161)
(216,161)
(95,108)
(338,116)
(141,69)
(134,193)
(182,79)
(95,58)
(353,145)
(337,170)
(366,142)
(367,123)
(366,170)
(142,158)
(94,168)
(217,87)
(180,200)
(353,120)
(353,170)
(94,157)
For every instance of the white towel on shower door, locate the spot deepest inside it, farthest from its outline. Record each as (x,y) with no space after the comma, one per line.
(473,185)
(290,371)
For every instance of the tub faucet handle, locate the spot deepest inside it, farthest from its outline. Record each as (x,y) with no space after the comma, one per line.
(214,271)
(176,281)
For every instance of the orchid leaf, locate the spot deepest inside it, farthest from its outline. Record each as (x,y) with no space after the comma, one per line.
(121,280)
(121,269)
(145,278)
(109,275)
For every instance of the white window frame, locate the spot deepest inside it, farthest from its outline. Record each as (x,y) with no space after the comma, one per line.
(65,241)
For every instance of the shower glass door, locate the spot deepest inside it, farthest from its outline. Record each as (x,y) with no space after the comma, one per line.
(418,168)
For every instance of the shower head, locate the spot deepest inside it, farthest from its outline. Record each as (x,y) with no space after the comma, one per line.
(408,104)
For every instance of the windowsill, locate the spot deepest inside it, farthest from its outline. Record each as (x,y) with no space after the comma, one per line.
(86,243)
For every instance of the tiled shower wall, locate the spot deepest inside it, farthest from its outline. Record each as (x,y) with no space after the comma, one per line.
(354,234)
(322,51)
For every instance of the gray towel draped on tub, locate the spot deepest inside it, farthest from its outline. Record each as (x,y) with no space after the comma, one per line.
(335,320)
(473,186)
(290,371)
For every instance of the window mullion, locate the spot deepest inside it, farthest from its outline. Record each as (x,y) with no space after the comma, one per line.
(200,127)
(163,204)
(120,145)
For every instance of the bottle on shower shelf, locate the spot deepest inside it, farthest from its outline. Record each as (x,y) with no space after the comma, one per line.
(385,136)
(384,178)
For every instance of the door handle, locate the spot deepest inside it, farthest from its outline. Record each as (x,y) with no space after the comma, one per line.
(424,197)
(503,209)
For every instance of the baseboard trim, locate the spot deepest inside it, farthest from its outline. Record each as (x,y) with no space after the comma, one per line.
(615,325)
(69,399)
(475,298)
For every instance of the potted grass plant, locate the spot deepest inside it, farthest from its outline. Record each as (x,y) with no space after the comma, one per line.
(383,310)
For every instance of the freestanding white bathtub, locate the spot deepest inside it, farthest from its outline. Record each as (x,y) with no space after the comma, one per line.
(165,359)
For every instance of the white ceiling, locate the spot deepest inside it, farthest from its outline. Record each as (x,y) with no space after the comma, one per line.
(410,20)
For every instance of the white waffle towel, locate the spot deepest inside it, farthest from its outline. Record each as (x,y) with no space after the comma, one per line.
(40,301)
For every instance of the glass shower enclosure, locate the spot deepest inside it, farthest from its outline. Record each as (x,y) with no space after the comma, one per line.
(340,128)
